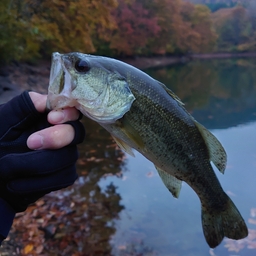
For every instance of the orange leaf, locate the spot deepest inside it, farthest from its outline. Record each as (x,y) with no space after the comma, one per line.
(28,248)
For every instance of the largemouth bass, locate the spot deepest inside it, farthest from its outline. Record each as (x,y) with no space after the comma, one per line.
(143,114)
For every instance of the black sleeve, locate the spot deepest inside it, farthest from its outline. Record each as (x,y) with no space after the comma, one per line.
(7,216)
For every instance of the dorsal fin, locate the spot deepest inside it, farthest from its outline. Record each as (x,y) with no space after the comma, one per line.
(216,152)
(173,184)
(172,94)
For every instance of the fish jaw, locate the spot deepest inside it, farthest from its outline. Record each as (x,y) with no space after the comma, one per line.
(100,95)
(59,90)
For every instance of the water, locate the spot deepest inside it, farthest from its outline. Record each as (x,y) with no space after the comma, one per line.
(220,94)
(120,207)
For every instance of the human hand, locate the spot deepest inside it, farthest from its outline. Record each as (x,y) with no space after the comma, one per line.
(27,174)
(58,135)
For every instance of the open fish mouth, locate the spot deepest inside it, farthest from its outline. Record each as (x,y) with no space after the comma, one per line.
(58,93)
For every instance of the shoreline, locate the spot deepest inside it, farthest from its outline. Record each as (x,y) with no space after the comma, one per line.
(160,61)
(17,77)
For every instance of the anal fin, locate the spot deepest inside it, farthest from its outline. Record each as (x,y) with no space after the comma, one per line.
(173,184)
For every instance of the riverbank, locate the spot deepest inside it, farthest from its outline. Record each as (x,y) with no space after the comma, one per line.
(152,62)
(18,77)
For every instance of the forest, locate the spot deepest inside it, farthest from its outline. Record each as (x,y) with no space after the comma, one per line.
(33,29)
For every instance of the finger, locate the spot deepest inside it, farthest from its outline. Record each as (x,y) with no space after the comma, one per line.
(63,115)
(39,101)
(54,137)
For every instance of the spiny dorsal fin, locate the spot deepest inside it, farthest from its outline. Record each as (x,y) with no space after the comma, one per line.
(172,94)
(126,148)
(216,152)
(173,184)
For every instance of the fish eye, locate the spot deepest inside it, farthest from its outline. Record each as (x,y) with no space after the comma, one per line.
(82,66)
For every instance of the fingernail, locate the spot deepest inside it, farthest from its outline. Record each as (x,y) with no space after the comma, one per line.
(35,141)
(56,116)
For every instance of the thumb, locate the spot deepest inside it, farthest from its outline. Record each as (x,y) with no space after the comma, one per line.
(39,101)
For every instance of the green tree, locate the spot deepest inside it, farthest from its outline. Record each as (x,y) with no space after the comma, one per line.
(32,27)
(235,29)
(17,38)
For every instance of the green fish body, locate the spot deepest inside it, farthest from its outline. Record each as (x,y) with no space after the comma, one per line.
(143,114)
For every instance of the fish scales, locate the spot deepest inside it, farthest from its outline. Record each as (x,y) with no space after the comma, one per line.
(143,114)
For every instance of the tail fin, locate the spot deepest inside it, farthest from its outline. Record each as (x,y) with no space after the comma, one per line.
(227,222)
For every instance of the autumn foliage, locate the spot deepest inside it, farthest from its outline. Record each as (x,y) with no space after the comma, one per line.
(31,28)
(136,27)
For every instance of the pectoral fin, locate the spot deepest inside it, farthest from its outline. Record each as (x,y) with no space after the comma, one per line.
(173,184)
(216,152)
(131,135)
(125,147)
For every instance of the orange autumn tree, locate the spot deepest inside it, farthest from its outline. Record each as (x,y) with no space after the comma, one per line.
(198,32)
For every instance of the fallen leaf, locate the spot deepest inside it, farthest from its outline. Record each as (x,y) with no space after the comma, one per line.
(150,174)
(28,248)
(122,247)
(39,249)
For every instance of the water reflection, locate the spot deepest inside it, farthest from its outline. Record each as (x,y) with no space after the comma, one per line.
(219,93)
(120,207)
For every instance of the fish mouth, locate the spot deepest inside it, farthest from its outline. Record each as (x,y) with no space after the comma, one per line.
(62,81)
(59,89)
(55,102)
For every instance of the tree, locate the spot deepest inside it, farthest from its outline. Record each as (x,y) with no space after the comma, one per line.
(202,24)
(135,28)
(17,38)
(184,27)
(234,28)
(41,27)
(170,22)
